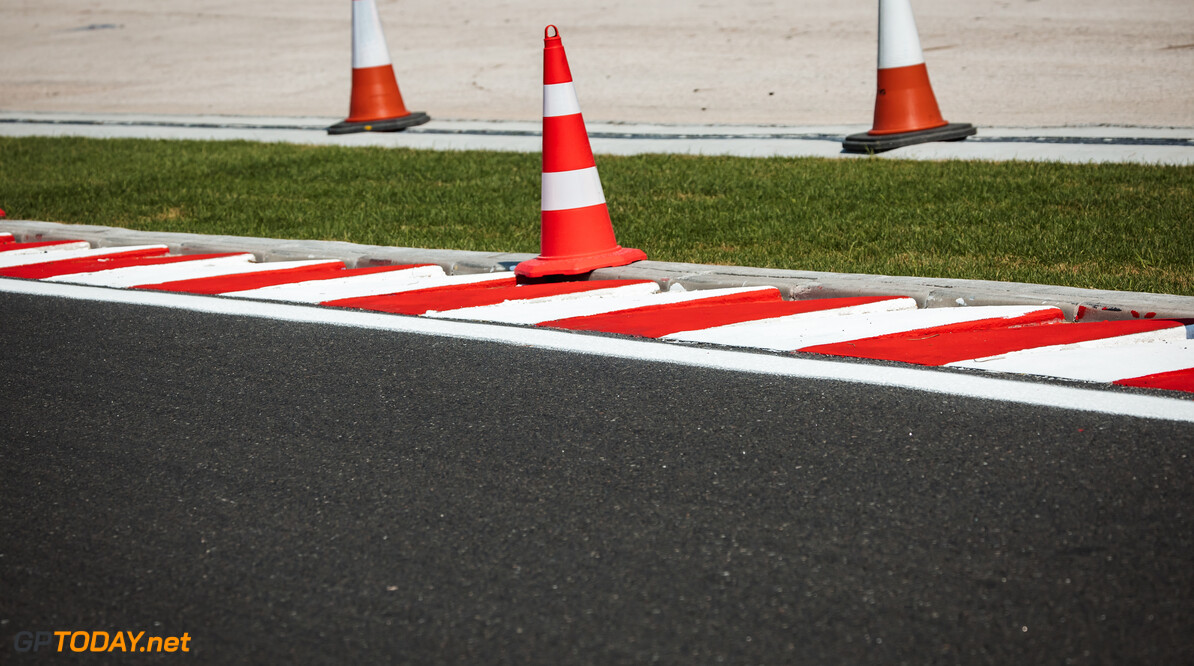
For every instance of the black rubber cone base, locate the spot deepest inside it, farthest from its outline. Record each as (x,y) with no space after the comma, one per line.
(869,143)
(384,125)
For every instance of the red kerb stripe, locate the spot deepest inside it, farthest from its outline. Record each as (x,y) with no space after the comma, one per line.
(665,315)
(1176,380)
(419,302)
(221,284)
(12,247)
(701,315)
(106,262)
(401,302)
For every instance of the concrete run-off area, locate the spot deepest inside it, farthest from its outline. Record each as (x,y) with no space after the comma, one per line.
(994,63)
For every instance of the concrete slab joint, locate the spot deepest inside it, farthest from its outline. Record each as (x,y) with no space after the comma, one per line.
(1077,304)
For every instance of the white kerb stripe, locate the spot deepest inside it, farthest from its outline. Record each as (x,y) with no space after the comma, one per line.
(812,329)
(1093,364)
(352,286)
(7,261)
(563,306)
(385,288)
(665,298)
(564,190)
(133,276)
(368,42)
(728,333)
(559,99)
(899,43)
(42,249)
(546,310)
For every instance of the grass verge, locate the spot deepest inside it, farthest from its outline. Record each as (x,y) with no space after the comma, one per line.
(1105,226)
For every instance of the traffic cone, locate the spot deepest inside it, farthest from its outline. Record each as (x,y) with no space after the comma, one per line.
(576,235)
(906,110)
(376,104)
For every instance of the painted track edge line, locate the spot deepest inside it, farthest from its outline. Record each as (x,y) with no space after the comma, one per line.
(920,379)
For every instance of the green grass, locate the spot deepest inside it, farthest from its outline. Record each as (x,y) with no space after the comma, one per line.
(1110,226)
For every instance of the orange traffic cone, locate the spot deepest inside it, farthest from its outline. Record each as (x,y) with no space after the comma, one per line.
(576,235)
(906,110)
(376,104)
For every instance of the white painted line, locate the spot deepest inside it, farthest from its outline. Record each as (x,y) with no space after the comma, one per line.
(1094,363)
(816,328)
(354,286)
(29,259)
(133,276)
(919,379)
(564,306)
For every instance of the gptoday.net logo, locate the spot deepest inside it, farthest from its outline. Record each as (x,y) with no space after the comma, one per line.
(98,641)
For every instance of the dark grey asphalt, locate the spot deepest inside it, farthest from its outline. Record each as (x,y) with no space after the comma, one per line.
(298,493)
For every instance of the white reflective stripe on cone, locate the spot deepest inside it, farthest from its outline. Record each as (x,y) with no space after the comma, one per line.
(353,286)
(564,190)
(46,257)
(563,306)
(559,99)
(368,42)
(818,328)
(899,43)
(132,276)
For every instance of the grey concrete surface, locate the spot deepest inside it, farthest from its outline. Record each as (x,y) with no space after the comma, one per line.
(1077,304)
(796,62)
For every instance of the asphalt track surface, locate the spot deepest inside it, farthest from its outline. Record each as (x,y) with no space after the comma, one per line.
(315,494)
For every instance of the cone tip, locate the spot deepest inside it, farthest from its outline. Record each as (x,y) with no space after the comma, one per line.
(551,32)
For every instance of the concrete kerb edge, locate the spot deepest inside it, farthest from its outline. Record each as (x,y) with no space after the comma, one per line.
(1077,304)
